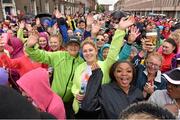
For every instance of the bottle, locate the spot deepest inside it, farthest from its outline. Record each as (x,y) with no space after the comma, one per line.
(81,92)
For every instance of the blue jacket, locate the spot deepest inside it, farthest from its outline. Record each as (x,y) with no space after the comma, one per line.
(63,29)
(141,79)
(123,54)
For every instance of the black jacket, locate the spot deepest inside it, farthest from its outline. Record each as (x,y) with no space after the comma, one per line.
(90,105)
(106,101)
(113,99)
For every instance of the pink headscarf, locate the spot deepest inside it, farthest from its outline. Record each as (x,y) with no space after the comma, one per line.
(44,34)
(36,84)
(17,47)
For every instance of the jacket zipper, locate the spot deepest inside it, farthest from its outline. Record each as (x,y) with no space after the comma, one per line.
(69,78)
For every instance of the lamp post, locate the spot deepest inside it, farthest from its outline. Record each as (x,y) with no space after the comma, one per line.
(153,6)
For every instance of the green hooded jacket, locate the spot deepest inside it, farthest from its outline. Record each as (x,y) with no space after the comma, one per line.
(63,65)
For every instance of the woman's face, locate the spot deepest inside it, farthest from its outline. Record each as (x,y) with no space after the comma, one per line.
(78,34)
(132,55)
(70,33)
(42,42)
(153,64)
(54,43)
(167,29)
(168,48)
(124,75)
(89,53)
(105,53)
(100,41)
(106,38)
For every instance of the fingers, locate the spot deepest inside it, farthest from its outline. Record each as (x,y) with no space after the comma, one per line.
(79,97)
(94,66)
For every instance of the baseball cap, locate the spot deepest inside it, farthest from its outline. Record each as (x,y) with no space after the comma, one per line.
(173,76)
(73,39)
(118,15)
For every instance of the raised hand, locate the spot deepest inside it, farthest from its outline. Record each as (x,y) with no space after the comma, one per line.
(147,45)
(32,39)
(96,27)
(123,24)
(58,14)
(29,27)
(134,33)
(22,25)
(89,20)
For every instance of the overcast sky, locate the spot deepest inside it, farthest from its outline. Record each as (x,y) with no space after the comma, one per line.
(107,2)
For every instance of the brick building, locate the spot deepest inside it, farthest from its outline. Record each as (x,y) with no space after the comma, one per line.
(45,6)
(142,7)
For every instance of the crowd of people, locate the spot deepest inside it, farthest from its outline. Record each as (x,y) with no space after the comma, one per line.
(90,66)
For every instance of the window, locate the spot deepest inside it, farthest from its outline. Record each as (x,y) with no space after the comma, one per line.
(7,1)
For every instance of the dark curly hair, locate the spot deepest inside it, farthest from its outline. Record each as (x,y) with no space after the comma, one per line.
(114,66)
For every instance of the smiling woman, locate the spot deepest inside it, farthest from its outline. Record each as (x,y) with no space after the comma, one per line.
(122,73)
(90,51)
(148,77)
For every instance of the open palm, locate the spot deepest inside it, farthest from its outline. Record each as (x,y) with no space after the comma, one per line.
(123,24)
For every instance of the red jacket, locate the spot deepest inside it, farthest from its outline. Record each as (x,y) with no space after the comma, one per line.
(22,64)
(166,63)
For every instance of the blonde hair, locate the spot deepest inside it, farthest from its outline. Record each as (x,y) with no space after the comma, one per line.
(56,36)
(175,35)
(89,41)
(155,54)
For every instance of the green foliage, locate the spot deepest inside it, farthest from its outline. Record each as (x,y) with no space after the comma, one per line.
(100,9)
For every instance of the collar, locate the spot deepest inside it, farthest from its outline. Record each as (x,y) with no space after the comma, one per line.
(158,75)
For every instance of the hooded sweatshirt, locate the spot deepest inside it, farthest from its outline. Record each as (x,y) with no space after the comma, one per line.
(22,64)
(63,65)
(17,47)
(36,85)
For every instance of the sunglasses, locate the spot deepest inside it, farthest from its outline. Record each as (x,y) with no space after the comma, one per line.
(78,35)
(100,39)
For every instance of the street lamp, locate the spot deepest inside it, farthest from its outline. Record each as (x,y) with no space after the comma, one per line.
(153,6)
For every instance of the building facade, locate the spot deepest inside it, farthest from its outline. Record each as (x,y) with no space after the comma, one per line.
(35,7)
(171,8)
(90,5)
(119,5)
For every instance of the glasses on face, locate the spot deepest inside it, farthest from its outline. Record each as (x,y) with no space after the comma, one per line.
(78,35)
(152,64)
(100,39)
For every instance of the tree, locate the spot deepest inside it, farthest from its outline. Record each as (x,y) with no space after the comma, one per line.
(100,8)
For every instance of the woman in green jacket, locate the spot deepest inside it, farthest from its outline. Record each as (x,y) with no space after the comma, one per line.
(90,51)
